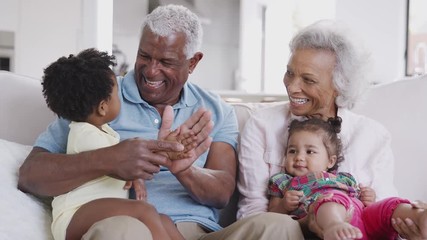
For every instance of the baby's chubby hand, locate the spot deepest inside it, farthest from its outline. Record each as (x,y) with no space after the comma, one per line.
(367,195)
(139,187)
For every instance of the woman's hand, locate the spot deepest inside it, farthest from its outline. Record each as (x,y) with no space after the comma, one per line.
(406,228)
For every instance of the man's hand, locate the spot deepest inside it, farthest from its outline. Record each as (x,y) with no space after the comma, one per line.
(188,140)
(177,150)
(48,174)
(138,158)
(193,133)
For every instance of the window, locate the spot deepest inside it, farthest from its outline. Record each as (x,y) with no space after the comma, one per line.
(416,49)
(5,63)
(7,41)
(267,28)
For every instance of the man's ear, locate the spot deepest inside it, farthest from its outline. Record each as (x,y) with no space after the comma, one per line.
(194,61)
(102,108)
(332,161)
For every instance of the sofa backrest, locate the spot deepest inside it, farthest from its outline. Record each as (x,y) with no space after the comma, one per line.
(23,111)
(401,106)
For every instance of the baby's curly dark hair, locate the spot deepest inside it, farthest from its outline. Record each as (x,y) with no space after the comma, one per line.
(74,86)
(329,131)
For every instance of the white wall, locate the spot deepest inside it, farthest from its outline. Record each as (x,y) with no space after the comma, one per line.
(220,41)
(44,30)
(96,25)
(9,11)
(127,20)
(380,25)
(282,19)
(220,44)
(382,29)
(47,29)
(249,70)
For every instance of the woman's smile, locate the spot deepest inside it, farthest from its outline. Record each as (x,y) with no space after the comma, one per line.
(299,100)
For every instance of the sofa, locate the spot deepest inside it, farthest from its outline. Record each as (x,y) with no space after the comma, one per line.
(400,105)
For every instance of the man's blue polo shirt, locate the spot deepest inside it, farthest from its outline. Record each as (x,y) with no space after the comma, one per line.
(138,119)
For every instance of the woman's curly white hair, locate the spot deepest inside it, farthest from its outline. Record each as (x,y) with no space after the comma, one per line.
(352,62)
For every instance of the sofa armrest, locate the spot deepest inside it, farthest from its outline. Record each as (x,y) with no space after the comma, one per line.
(401,107)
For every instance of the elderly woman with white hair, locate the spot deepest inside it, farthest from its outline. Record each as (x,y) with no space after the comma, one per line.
(324,79)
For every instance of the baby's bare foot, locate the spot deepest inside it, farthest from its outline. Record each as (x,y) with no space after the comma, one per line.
(342,231)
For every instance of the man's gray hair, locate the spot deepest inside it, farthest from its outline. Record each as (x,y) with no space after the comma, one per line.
(169,19)
(350,71)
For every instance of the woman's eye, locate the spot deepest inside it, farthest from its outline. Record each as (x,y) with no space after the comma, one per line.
(309,81)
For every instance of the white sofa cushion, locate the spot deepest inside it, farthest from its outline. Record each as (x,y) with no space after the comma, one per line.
(22,215)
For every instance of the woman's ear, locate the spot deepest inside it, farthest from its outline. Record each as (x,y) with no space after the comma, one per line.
(332,161)
(102,108)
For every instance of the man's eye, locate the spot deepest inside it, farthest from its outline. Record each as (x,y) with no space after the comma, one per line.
(143,56)
(166,63)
